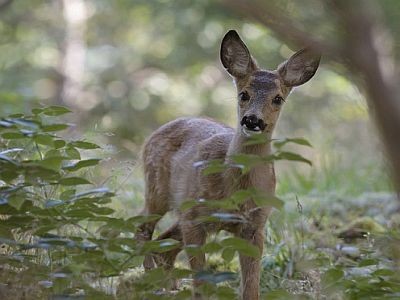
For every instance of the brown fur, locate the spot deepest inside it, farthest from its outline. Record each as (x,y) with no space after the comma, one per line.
(173,174)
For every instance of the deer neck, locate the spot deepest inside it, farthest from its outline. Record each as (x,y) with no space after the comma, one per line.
(259,176)
(238,145)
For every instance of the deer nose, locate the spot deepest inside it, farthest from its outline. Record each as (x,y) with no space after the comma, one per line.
(252,122)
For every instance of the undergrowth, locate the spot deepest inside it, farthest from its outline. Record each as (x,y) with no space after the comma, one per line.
(63,233)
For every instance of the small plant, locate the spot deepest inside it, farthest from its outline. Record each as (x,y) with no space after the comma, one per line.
(49,208)
(57,231)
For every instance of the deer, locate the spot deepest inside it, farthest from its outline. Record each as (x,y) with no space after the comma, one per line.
(172,153)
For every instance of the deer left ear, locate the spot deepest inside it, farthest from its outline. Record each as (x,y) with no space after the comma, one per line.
(299,68)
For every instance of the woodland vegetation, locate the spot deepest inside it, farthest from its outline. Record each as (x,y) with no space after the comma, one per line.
(84,82)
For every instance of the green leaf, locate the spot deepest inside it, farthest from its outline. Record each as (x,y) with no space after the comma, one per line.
(181,273)
(154,276)
(79,213)
(53,153)
(188,205)
(43,139)
(383,272)
(184,295)
(248,161)
(81,164)
(240,196)
(256,139)
(241,245)
(213,166)
(54,127)
(59,144)
(368,262)
(299,141)
(160,246)
(215,278)
(193,250)
(102,210)
(332,276)
(143,219)
(211,247)
(8,175)
(5,232)
(16,201)
(84,145)
(37,111)
(55,110)
(52,162)
(268,200)
(228,254)
(226,293)
(72,153)
(73,181)
(67,194)
(89,201)
(33,171)
(133,262)
(13,135)
(293,156)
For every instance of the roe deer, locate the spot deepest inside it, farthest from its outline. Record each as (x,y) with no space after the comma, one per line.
(171,153)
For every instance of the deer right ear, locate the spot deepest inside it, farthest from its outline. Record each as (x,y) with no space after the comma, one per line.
(299,68)
(235,56)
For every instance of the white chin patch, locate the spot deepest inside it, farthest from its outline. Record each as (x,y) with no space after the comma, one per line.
(247,132)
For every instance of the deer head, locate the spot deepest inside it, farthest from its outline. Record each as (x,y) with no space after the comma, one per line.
(262,93)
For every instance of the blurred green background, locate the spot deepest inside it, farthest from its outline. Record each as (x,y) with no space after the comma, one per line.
(126,67)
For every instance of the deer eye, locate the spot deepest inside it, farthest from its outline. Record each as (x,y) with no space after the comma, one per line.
(244,96)
(278,100)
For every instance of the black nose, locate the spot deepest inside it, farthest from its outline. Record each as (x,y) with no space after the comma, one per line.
(252,122)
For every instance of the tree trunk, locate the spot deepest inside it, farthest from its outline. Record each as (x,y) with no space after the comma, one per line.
(73,61)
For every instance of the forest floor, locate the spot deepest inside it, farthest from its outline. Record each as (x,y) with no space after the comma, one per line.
(321,246)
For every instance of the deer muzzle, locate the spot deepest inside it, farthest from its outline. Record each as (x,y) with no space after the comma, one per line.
(252,124)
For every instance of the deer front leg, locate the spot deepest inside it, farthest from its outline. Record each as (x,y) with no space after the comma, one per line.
(144,234)
(250,266)
(167,259)
(194,234)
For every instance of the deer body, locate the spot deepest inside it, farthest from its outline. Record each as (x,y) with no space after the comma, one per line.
(186,142)
(174,158)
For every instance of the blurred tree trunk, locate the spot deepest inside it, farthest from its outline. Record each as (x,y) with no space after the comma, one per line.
(365,49)
(368,46)
(73,52)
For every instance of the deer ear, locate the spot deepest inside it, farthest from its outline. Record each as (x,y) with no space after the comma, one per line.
(299,68)
(235,56)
